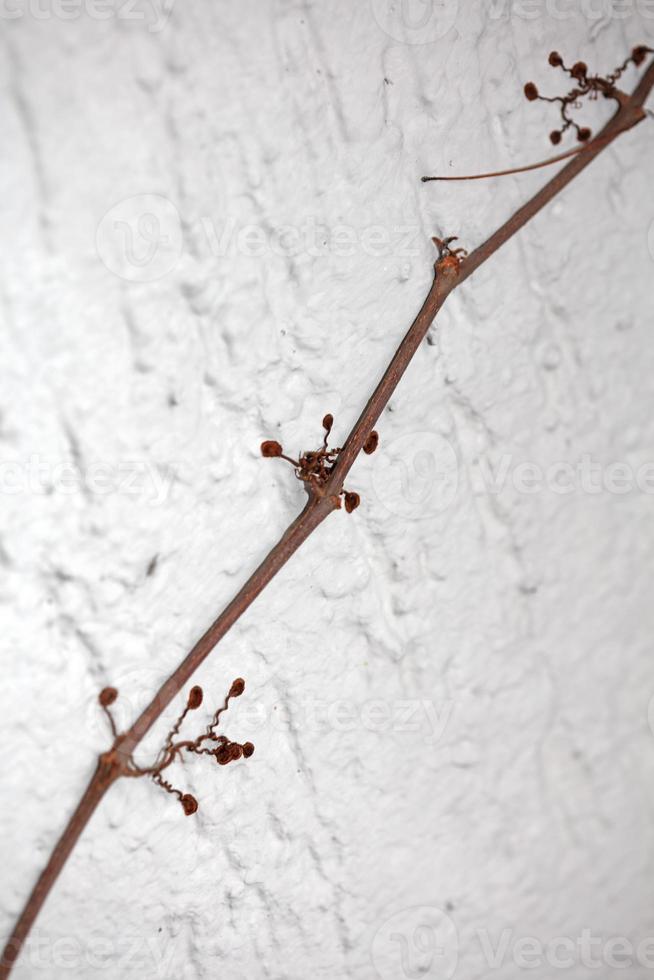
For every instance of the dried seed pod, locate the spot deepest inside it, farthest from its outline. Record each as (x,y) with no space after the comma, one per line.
(555,59)
(271,448)
(248,749)
(223,755)
(352,501)
(195,697)
(371,443)
(531,92)
(584,134)
(237,688)
(327,423)
(579,70)
(236,752)
(107,696)
(555,136)
(189,803)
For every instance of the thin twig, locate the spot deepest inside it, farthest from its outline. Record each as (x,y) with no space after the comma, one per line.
(321,503)
(559,158)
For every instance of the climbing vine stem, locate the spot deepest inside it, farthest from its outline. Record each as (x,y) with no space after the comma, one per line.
(451,269)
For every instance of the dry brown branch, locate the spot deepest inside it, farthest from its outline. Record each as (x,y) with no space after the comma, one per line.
(451,271)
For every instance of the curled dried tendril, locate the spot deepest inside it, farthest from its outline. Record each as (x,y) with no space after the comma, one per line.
(316,466)
(208,743)
(586,86)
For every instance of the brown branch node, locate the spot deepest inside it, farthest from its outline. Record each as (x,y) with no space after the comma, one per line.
(223,751)
(449,259)
(316,466)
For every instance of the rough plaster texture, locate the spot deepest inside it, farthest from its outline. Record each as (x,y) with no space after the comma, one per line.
(212,234)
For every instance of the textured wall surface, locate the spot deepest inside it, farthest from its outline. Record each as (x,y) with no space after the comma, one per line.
(213,233)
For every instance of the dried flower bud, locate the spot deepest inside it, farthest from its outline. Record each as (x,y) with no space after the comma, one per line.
(555,136)
(327,423)
(235,752)
(223,754)
(248,749)
(531,92)
(579,70)
(107,696)
(195,697)
(189,803)
(639,54)
(352,501)
(371,443)
(584,134)
(555,59)
(237,688)
(271,448)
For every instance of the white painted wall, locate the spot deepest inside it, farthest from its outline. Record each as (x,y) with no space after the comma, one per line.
(448,690)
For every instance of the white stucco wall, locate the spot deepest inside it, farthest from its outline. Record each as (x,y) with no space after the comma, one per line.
(448,690)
